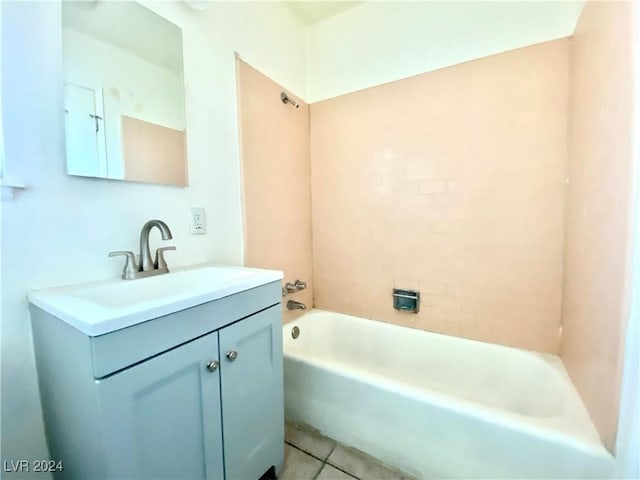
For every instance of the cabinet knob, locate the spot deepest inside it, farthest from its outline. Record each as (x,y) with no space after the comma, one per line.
(232,355)
(212,366)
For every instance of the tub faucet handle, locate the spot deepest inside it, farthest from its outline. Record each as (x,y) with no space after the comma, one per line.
(300,285)
(290,287)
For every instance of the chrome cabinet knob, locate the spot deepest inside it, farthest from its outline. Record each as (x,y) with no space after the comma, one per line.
(212,366)
(232,355)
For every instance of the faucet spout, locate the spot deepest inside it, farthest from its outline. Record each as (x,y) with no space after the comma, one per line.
(146,263)
(293,305)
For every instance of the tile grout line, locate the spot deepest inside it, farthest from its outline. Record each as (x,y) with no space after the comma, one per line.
(322,462)
(341,469)
(402,475)
(319,471)
(304,451)
(325,462)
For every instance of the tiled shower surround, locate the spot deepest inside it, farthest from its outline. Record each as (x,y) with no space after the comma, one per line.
(451,183)
(597,246)
(499,188)
(274,139)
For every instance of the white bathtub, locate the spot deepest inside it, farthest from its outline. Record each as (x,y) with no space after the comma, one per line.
(438,406)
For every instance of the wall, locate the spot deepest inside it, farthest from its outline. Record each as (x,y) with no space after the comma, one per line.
(274,142)
(60,229)
(451,183)
(628,436)
(598,208)
(379,42)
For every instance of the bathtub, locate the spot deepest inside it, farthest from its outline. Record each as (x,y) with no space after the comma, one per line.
(438,406)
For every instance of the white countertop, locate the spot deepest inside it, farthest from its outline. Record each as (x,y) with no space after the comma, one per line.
(102,307)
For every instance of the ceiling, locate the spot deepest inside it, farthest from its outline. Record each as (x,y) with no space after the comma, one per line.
(310,13)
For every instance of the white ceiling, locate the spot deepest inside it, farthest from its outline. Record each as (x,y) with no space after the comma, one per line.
(309,12)
(128,26)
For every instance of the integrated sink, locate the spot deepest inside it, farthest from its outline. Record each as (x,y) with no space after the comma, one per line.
(103,307)
(130,294)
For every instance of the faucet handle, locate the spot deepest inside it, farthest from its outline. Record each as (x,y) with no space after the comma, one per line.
(130,267)
(161,263)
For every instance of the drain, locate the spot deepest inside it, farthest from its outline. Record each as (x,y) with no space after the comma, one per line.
(295,332)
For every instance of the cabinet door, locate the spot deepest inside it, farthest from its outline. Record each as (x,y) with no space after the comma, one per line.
(161,418)
(252,395)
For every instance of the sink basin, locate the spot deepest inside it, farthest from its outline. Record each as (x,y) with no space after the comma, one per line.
(137,292)
(102,307)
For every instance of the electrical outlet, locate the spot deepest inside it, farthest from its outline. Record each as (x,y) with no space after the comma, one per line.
(198,222)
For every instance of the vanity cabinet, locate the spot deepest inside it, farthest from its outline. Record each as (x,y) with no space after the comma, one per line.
(142,402)
(161,418)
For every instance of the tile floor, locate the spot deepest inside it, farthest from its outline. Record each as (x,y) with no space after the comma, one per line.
(311,456)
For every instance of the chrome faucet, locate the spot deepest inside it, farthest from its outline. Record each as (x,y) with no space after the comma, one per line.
(145,257)
(147,267)
(293,305)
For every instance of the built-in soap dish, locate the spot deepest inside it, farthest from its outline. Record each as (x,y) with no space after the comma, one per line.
(406,300)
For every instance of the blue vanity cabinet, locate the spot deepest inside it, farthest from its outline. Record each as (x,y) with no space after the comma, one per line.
(161,419)
(252,394)
(196,394)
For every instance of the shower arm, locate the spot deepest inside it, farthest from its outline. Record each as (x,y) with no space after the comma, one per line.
(285,99)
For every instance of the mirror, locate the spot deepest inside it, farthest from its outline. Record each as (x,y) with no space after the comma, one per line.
(123,93)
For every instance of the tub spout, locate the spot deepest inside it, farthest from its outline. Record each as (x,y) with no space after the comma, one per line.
(293,305)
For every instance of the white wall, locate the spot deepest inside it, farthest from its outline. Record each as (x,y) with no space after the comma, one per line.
(60,229)
(379,42)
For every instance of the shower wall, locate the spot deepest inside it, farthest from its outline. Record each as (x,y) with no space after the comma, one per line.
(598,208)
(450,183)
(274,143)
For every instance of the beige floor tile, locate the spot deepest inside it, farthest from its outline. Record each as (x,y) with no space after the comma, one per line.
(298,465)
(331,473)
(309,441)
(360,466)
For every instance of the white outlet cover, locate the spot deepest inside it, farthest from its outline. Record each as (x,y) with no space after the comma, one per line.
(198,221)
